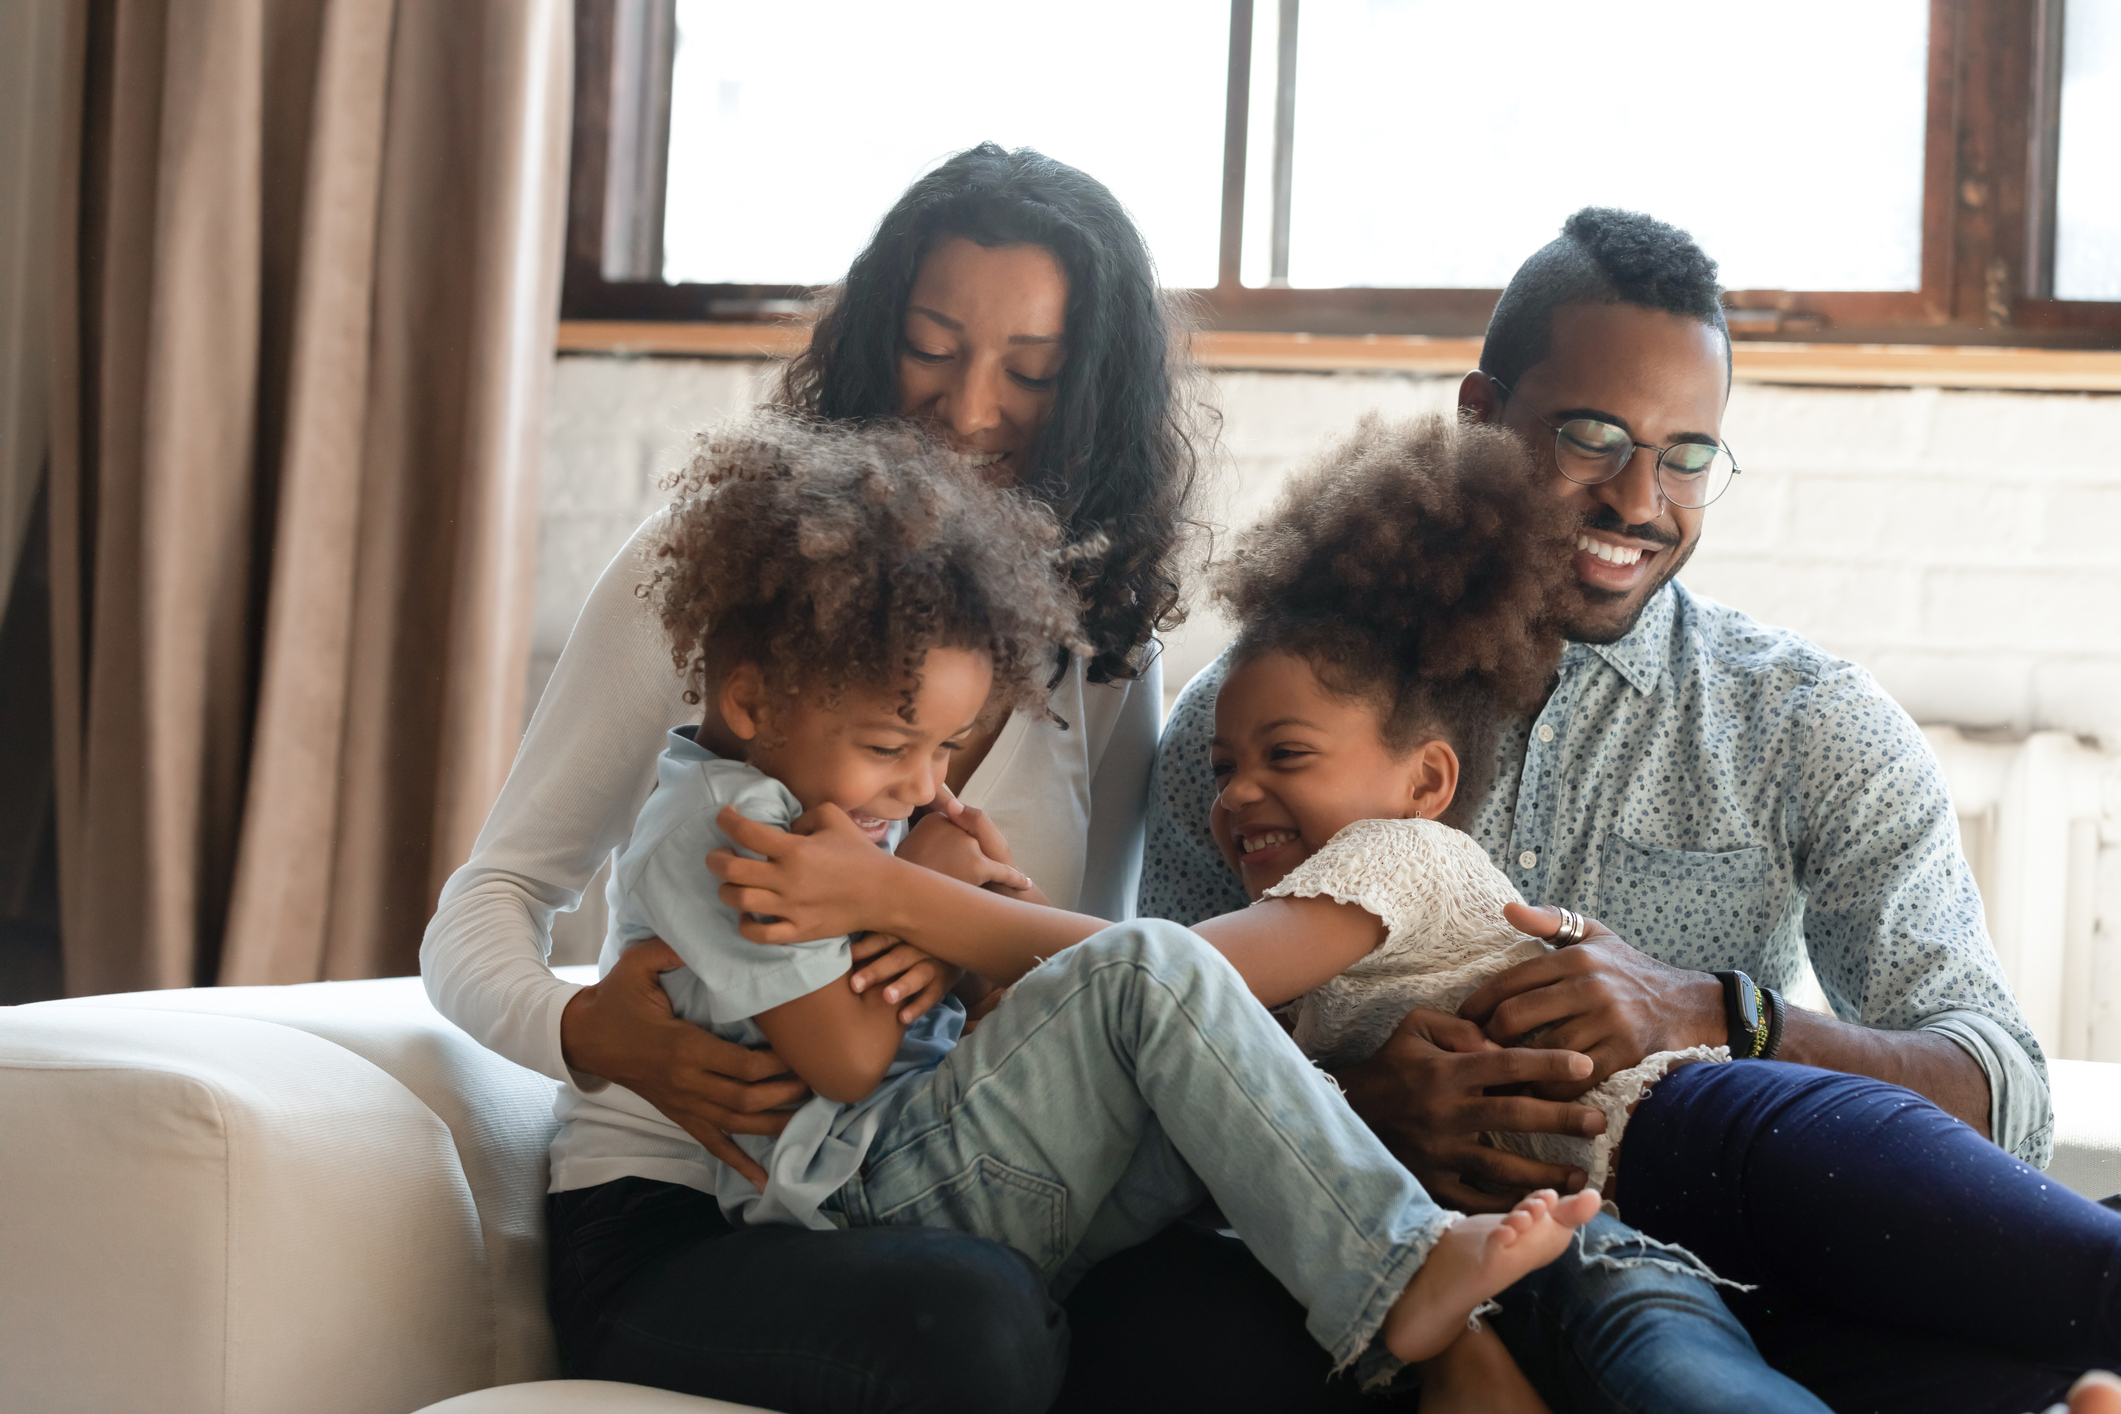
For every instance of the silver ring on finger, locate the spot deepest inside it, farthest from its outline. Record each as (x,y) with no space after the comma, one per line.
(1571,931)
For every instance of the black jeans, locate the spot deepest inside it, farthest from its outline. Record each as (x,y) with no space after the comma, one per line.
(650,1284)
(1902,1261)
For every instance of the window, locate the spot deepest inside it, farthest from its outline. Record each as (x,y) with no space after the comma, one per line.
(1799,165)
(1891,170)
(746,117)
(2088,199)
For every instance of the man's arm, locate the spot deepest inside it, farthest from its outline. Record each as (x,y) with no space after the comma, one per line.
(1893,925)
(1895,928)
(1618,1005)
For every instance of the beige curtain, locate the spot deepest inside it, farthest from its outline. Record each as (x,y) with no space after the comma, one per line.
(306,309)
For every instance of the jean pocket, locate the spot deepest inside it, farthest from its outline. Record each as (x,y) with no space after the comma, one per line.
(1662,900)
(990,1199)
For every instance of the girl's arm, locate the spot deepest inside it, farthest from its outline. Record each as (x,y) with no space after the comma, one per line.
(825,878)
(1285,947)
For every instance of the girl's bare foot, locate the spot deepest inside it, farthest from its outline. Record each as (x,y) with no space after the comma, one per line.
(1476,1258)
(2099,1392)
(1475,1375)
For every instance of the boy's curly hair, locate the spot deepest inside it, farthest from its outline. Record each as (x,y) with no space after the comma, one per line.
(1413,564)
(838,554)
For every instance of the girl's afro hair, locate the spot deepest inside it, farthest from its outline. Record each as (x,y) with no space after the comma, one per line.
(835,554)
(1414,564)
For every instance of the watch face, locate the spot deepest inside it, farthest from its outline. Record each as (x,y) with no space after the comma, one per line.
(1749,1008)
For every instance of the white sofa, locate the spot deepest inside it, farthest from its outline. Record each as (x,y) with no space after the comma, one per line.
(327,1199)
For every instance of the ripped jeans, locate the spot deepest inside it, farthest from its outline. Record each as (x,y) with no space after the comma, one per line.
(1121,1083)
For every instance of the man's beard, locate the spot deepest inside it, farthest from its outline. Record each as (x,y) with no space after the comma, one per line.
(1590,628)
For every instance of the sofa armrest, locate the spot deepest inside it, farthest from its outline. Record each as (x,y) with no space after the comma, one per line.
(209,1213)
(2087,1098)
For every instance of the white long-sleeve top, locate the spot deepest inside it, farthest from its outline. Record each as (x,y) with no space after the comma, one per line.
(1070,802)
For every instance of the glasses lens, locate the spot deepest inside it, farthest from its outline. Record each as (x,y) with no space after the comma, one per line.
(1591,451)
(1692,474)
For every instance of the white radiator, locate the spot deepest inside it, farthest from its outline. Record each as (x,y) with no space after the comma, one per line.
(2040,818)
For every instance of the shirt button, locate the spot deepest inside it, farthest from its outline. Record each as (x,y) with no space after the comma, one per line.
(1546,733)
(1528,859)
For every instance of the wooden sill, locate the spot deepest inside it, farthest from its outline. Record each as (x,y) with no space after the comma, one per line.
(1834,365)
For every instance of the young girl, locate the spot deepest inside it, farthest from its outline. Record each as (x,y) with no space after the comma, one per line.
(1392,616)
(846,602)
(1390,621)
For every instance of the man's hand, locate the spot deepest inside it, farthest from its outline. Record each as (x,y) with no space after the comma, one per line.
(623,1030)
(1600,998)
(902,970)
(1426,1094)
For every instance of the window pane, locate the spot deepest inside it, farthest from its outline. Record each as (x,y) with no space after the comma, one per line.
(793,127)
(2088,198)
(1436,145)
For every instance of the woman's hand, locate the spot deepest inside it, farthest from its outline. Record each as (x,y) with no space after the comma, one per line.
(903,970)
(623,1030)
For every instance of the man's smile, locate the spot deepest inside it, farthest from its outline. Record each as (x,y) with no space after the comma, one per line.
(1615,562)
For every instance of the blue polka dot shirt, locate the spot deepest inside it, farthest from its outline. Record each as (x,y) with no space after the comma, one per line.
(1722,795)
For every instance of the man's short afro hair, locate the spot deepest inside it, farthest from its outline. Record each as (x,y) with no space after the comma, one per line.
(835,555)
(1603,256)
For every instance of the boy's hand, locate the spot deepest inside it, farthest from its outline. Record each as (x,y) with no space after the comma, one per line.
(821,878)
(903,970)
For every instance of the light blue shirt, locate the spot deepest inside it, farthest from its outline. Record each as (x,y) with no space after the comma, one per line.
(661,889)
(1722,795)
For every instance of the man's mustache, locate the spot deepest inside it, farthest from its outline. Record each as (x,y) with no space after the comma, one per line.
(1605,518)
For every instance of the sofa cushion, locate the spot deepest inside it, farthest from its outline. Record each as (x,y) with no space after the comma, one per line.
(583,1397)
(498,1114)
(211,1213)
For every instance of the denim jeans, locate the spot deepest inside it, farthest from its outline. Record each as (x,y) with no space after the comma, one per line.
(1900,1260)
(650,1284)
(1122,1082)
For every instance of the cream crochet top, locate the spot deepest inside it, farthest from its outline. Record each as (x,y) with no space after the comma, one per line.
(1441,902)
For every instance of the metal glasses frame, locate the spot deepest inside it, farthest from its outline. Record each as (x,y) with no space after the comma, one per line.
(1662,453)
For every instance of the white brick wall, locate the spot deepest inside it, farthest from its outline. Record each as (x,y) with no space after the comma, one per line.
(1964,546)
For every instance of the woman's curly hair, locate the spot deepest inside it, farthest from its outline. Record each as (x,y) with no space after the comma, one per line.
(1413,564)
(836,555)
(1118,457)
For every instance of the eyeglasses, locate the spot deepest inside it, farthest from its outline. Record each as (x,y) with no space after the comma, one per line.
(1589,450)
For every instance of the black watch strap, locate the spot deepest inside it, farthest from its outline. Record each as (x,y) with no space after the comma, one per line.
(1775,1014)
(1742,1015)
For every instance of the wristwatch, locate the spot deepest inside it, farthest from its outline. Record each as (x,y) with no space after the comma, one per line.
(1744,1015)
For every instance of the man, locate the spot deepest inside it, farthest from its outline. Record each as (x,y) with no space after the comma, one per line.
(1725,796)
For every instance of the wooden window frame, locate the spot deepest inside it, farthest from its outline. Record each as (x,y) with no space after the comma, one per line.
(1988,225)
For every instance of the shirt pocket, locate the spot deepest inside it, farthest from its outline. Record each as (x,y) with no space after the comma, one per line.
(1682,905)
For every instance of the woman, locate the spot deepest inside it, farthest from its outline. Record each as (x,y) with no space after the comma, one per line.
(1007,302)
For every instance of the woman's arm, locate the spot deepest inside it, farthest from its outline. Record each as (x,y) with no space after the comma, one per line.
(584,768)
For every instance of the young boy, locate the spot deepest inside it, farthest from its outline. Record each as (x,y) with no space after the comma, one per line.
(847,603)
